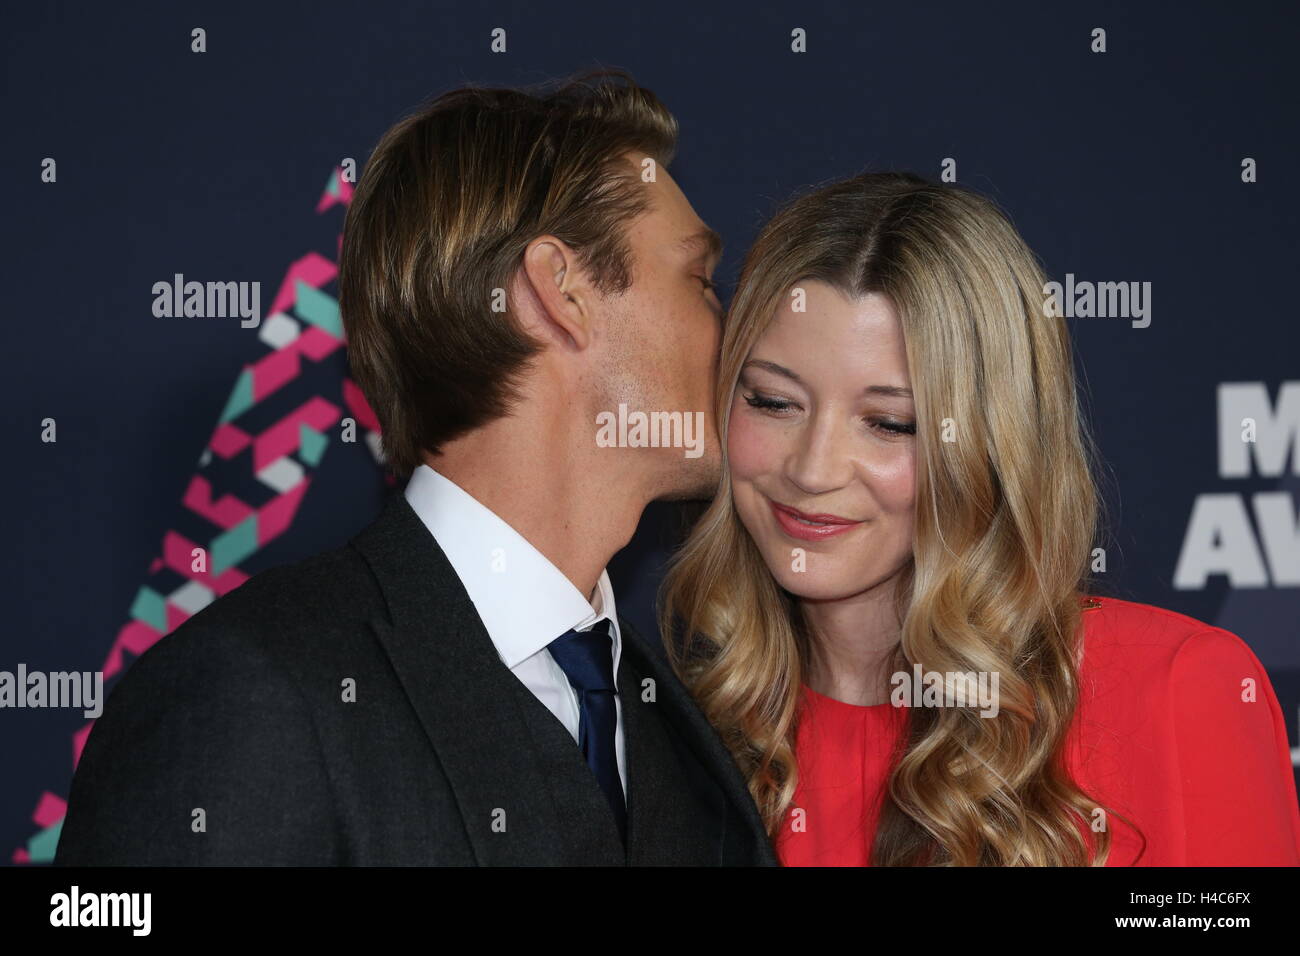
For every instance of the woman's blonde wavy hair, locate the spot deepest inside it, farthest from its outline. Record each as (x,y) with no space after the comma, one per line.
(1004,527)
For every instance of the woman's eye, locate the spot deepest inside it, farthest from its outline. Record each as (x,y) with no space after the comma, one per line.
(762,401)
(894,428)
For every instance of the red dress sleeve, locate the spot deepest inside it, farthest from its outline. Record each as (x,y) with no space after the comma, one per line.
(1234,763)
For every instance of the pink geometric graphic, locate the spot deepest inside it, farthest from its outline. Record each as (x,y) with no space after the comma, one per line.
(251,479)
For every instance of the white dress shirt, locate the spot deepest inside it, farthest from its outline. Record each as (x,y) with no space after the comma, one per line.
(524,600)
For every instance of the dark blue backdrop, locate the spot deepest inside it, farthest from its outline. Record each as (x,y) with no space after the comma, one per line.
(1122,165)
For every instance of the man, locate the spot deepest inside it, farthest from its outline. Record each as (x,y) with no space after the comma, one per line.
(455,685)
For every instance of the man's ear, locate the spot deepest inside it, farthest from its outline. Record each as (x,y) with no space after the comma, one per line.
(566,300)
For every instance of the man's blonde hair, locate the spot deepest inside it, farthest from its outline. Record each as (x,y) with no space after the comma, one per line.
(441,216)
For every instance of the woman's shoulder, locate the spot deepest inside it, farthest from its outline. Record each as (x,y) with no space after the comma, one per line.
(1133,615)
(1184,713)
(1142,640)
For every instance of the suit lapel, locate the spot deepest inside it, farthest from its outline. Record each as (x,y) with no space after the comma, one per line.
(460,690)
(649,806)
(469,706)
(653,807)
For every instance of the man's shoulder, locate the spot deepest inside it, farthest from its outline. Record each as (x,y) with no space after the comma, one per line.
(293,614)
(331,587)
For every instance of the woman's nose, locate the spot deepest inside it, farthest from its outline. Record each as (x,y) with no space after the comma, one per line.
(820,461)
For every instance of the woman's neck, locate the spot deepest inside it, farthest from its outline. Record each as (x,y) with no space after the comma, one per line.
(852,642)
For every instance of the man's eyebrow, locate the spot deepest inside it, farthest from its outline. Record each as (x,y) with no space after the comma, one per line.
(706,241)
(896,391)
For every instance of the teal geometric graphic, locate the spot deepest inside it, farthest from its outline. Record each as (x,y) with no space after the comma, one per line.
(319,308)
(41,847)
(311,444)
(233,546)
(241,397)
(151,607)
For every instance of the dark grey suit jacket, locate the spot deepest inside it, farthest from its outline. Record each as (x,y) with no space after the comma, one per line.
(230,740)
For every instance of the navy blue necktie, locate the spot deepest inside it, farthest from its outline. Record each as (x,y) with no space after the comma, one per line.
(587,659)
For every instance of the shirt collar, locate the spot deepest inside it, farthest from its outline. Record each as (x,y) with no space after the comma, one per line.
(524,600)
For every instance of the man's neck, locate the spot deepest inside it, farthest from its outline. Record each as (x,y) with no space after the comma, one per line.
(567,498)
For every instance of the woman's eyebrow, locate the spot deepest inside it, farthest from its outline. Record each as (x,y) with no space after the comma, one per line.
(773,367)
(896,391)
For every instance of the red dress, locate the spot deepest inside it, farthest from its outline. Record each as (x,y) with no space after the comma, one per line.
(1166,733)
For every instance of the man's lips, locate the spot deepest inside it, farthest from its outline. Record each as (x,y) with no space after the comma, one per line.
(810,527)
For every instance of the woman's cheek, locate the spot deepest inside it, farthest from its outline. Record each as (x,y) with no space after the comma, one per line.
(752,449)
(892,480)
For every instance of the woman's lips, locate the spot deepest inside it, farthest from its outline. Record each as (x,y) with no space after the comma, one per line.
(821,526)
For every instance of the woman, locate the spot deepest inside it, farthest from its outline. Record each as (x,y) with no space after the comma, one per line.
(908,499)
